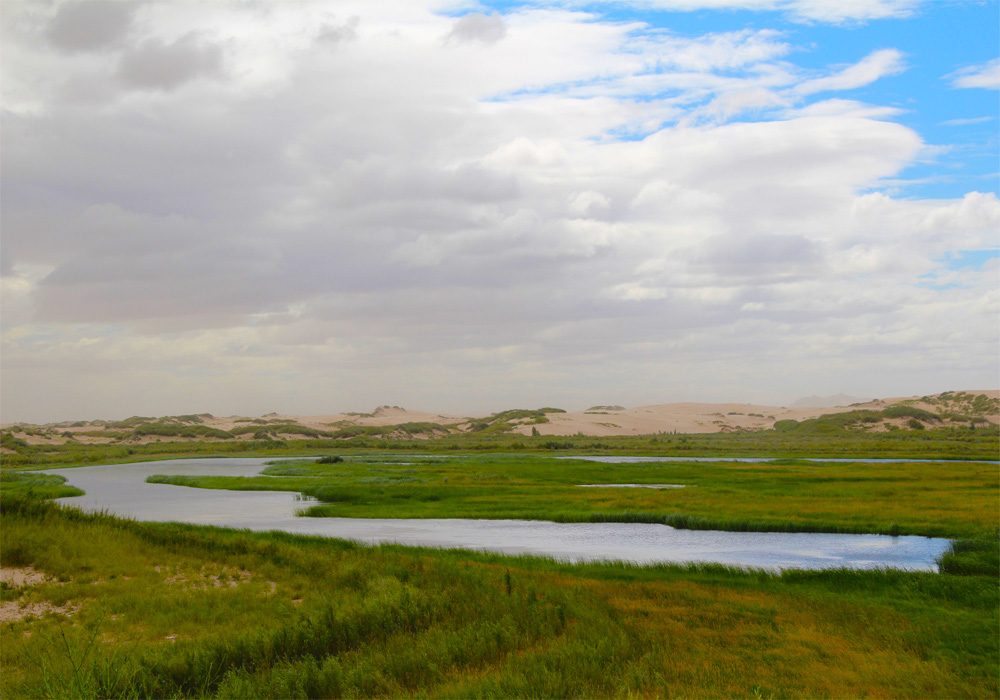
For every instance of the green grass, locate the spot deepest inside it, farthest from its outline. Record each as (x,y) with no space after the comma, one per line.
(946,500)
(29,485)
(167,610)
(973,556)
(965,442)
(170,429)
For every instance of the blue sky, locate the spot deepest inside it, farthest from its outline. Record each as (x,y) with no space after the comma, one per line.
(457,206)
(937,40)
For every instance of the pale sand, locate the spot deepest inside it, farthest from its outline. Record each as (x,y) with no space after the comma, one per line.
(25,577)
(642,420)
(19,576)
(705,417)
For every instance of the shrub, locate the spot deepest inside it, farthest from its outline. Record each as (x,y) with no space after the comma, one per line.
(901,411)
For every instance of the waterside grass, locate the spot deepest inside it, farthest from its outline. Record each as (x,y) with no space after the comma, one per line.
(168,610)
(833,440)
(909,498)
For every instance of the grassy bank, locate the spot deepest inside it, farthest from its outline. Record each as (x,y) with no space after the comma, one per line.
(162,610)
(947,500)
(805,439)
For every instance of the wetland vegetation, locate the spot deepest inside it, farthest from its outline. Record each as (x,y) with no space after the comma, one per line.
(168,610)
(118,608)
(908,498)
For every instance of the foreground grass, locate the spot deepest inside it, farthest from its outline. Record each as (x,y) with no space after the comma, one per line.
(166,610)
(933,499)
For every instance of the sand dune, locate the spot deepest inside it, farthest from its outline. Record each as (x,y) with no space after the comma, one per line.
(707,417)
(598,421)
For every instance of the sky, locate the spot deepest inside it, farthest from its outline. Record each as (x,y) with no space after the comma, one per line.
(241,207)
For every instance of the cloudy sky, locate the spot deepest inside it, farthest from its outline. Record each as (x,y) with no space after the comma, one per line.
(308,207)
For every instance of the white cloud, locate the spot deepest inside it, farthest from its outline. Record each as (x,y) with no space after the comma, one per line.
(475,26)
(967,121)
(985,75)
(588,204)
(157,65)
(352,211)
(89,25)
(831,11)
(875,65)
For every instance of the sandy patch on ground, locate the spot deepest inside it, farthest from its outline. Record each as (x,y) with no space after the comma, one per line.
(203,580)
(25,577)
(21,576)
(15,611)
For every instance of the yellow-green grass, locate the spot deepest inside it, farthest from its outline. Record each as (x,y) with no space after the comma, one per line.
(934,499)
(942,442)
(308,617)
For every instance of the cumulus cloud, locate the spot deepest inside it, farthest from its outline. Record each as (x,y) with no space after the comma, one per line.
(986,75)
(476,26)
(89,25)
(218,194)
(336,33)
(158,65)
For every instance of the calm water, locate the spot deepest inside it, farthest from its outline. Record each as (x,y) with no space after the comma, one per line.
(632,486)
(121,489)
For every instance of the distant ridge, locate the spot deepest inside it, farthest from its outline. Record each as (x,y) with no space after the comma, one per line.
(827,401)
(968,409)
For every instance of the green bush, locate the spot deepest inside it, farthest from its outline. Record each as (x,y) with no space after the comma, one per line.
(902,411)
(282,427)
(12,443)
(180,430)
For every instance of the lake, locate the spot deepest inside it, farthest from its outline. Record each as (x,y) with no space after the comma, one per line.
(121,489)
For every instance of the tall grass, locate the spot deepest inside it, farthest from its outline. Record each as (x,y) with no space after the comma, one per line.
(308,617)
(973,556)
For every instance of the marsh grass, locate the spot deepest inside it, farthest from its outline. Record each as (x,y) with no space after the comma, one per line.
(32,485)
(973,556)
(313,617)
(967,442)
(310,617)
(943,500)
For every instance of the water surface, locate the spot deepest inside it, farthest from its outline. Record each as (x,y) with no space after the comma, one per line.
(632,486)
(121,489)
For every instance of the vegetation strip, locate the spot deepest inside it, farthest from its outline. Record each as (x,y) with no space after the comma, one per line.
(952,500)
(122,609)
(308,617)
